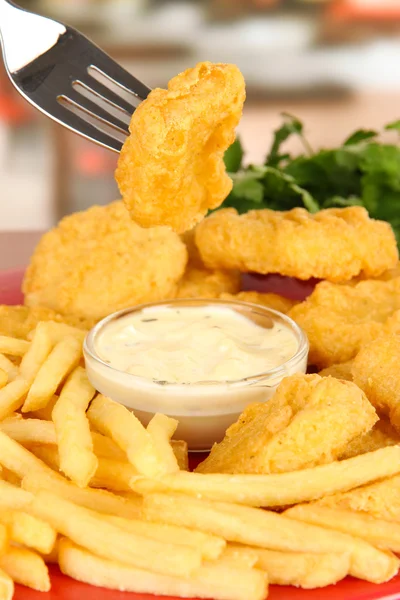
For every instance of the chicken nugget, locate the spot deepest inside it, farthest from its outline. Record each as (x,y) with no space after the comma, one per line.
(98,261)
(340,319)
(376,371)
(171,169)
(333,244)
(19,321)
(380,436)
(340,371)
(273,301)
(203,283)
(308,422)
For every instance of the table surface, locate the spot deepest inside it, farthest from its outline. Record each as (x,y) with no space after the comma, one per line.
(16,248)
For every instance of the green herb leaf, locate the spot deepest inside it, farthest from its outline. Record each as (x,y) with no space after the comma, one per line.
(395,125)
(291,126)
(361,135)
(233,156)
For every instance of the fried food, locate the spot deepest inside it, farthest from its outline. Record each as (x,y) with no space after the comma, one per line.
(171,169)
(380,436)
(340,319)
(376,371)
(340,371)
(273,301)
(99,261)
(332,244)
(203,283)
(19,321)
(194,258)
(269,437)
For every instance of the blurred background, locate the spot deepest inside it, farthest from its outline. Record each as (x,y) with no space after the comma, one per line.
(333,63)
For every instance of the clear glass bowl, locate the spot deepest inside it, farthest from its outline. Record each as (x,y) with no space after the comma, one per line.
(206,409)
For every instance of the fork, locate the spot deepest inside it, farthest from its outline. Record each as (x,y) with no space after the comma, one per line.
(67,77)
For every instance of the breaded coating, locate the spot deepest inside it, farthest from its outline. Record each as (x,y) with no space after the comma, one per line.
(380,436)
(171,169)
(380,499)
(376,370)
(98,261)
(202,283)
(273,301)
(340,371)
(19,321)
(340,319)
(309,421)
(194,258)
(333,244)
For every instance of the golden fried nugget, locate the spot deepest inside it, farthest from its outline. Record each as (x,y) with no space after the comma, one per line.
(194,258)
(309,421)
(202,283)
(273,301)
(339,371)
(380,436)
(99,261)
(19,321)
(376,371)
(171,169)
(340,319)
(380,499)
(333,244)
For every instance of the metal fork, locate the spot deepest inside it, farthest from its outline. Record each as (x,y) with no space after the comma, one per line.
(67,77)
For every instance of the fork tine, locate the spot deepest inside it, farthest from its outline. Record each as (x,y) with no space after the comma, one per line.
(92,109)
(103,92)
(118,75)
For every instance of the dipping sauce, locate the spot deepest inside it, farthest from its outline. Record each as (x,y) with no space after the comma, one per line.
(194,344)
(198,361)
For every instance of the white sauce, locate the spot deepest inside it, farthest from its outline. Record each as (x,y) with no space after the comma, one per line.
(193,344)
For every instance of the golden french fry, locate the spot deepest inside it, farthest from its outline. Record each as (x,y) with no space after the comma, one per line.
(100,500)
(4,539)
(10,477)
(12,396)
(46,412)
(384,534)
(13,497)
(161,429)
(212,580)
(6,586)
(29,431)
(52,557)
(48,455)
(181,452)
(3,378)
(282,489)
(28,530)
(88,529)
(75,446)
(303,569)
(17,459)
(105,447)
(126,430)
(209,545)
(13,346)
(59,331)
(26,567)
(242,556)
(9,367)
(266,529)
(61,361)
(37,353)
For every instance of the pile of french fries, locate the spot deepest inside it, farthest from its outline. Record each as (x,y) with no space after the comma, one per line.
(85,485)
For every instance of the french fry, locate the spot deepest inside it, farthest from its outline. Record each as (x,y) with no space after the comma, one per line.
(209,545)
(88,529)
(13,497)
(12,396)
(126,430)
(384,534)
(212,580)
(180,449)
(282,489)
(37,353)
(303,569)
(27,530)
(9,367)
(61,361)
(6,586)
(13,346)
(100,500)
(59,331)
(266,529)
(75,446)
(161,429)
(105,447)
(17,459)
(26,567)
(4,539)
(52,557)
(3,378)
(242,556)
(10,477)
(46,412)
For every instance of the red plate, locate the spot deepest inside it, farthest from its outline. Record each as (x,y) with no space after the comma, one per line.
(64,588)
